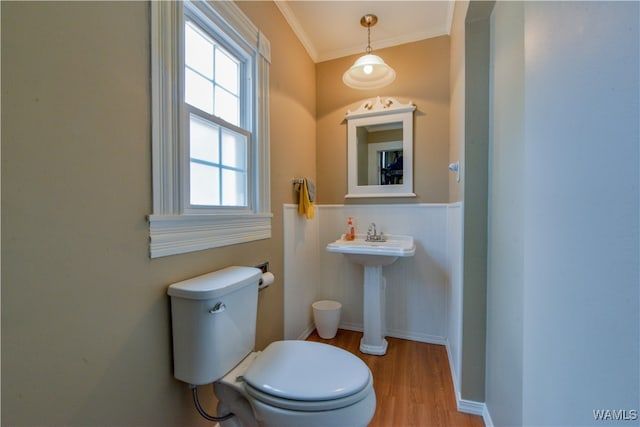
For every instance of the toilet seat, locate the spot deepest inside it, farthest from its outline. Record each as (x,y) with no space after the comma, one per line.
(307,376)
(308,405)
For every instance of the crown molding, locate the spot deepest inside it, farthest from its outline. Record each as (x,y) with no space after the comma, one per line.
(297,28)
(321,56)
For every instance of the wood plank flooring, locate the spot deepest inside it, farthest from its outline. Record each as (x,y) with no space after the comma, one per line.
(412,383)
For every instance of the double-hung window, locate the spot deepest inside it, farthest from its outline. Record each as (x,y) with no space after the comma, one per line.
(217,133)
(210,69)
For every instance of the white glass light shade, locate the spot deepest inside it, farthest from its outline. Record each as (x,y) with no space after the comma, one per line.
(369,72)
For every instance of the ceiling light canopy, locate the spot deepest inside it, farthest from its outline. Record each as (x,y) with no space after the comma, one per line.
(369,71)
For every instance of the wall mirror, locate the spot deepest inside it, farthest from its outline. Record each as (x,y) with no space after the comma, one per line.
(380,149)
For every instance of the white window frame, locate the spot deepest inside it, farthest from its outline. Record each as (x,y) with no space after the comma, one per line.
(173,227)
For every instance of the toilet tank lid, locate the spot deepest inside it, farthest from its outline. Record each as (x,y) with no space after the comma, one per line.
(215,284)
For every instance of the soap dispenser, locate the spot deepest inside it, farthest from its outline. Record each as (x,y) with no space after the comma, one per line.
(350,234)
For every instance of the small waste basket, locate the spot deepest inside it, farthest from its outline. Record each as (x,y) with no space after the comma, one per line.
(326,315)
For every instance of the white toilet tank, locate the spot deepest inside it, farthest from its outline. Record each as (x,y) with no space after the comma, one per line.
(213,320)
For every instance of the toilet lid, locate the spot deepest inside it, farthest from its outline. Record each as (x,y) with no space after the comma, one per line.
(308,371)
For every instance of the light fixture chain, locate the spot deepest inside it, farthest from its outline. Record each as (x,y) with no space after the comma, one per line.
(368,37)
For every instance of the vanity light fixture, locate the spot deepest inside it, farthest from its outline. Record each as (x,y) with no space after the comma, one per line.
(369,71)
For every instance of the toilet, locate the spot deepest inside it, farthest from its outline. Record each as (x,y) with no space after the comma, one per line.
(289,383)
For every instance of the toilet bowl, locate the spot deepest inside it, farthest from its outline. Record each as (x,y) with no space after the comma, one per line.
(288,384)
(298,383)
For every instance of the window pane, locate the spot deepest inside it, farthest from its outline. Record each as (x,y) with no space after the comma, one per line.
(234,189)
(234,150)
(227,106)
(205,184)
(198,91)
(227,71)
(198,51)
(203,140)
(218,155)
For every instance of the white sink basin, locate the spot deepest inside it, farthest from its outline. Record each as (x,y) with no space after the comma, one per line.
(374,253)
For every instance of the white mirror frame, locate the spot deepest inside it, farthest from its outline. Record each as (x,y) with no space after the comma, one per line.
(375,112)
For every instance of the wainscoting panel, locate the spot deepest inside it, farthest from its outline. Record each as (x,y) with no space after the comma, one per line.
(454,304)
(423,293)
(417,287)
(300,272)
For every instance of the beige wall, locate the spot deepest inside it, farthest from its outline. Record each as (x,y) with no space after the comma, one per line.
(85,317)
(456,95)
(422,77)
(293,106)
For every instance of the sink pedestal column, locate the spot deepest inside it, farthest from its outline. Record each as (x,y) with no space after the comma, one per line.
(373,341)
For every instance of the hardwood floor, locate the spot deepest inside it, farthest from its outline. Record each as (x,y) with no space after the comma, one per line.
(412,382)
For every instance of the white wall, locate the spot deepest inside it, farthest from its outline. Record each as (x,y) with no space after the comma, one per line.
(569,176)
(424,292)
(300,272)
(417,287)
(454,296)
(505,255)
(581,211)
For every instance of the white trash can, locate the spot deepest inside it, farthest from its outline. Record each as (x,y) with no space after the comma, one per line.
(326,315)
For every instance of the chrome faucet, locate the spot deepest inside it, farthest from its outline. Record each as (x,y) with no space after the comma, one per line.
(372,234)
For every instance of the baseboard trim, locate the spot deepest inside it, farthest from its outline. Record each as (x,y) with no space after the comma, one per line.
(350,326)
(467,406)
(486,417)
(470,406)
(429,339)
(305,334)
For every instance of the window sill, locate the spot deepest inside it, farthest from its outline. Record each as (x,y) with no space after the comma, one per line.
(177,234)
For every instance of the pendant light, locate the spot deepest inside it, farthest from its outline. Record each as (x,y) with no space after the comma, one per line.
(369,71)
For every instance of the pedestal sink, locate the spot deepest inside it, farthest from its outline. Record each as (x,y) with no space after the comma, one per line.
(373,256)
